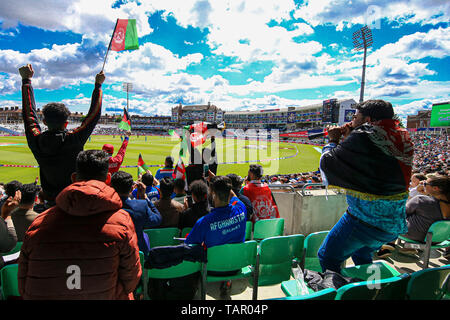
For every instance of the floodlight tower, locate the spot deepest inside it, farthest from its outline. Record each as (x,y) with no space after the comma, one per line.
(126,86)
(362,39)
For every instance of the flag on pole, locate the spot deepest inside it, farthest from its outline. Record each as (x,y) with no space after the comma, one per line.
(173,133)
(125,124)
(125,35)
(179,171)
(142,167)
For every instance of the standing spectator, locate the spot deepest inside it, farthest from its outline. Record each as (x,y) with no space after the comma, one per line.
(86,246)
(263,202)
(373,163)
(116,162)
(236,183)
(200,206)
(57,148)
(150,190)
(24,215)
(169,209)
(8,237)
(178,188)
(166,171)
(143,212)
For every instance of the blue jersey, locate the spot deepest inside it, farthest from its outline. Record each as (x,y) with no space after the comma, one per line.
(163,173)
(151,192)
(221,226)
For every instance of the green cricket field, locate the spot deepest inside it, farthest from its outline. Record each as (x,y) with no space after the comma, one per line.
(234,155)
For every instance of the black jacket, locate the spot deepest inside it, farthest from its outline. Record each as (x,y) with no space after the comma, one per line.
(190,216)
(56,151)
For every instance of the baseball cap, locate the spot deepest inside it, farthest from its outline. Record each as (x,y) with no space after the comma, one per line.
(108,148)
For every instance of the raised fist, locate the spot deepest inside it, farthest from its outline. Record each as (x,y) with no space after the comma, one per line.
(26,72)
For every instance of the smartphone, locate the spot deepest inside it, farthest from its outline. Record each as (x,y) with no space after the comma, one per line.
(206,169)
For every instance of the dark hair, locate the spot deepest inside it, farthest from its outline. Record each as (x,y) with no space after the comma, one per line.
(199,189)
(11,188)
(257,170)
(179,184)
(169,161)
(29,192)
(147,179)
(55,114)
(442,182)
(376,109)
(236,181)
(166,186)
(420,176)
(92,165)
(221,186)
(122,182)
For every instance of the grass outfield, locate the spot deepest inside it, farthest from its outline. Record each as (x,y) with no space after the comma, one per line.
(276,158)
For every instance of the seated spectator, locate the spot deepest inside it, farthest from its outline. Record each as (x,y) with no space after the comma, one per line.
(85,247)
(236,184)
(10,190)
(8,237)
(178,188)
(143,212)
(150,190)
(169,209)
(24,214)
(416,178)
(226,222)
(199,207)
(423,210)
(167,170)
(259,193)
(40,205)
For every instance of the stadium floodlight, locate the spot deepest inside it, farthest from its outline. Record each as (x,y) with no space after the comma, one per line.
(126,86)
(362,39)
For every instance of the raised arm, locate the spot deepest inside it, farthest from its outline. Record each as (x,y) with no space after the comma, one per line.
(89,123)
(29,114)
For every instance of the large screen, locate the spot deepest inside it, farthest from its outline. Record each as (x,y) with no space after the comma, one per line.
(440,115)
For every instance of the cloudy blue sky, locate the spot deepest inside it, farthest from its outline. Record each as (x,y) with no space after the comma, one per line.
(238,55)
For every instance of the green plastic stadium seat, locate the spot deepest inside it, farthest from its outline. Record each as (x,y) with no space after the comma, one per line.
(231,257)
(8,279)
(325,294)
(275,258)
(429,284)
(14,250)
(380,269)
(248,230)
(163,237)
(438,233)
(185,231)
(312,244)
(385,289)
(268,228)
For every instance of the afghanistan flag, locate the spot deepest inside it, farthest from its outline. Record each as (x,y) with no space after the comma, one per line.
(142,167)
(125,124)
(180,172)
(125,35)
(173,133)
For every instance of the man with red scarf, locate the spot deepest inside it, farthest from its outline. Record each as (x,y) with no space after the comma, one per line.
(373,164)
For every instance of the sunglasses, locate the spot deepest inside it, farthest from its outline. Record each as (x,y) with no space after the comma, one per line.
(427,184)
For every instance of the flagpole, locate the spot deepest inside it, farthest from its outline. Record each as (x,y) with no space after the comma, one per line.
(109,46)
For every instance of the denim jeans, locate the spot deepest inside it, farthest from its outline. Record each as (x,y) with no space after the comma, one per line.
(351,238)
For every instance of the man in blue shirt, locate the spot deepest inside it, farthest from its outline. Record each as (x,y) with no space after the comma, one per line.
(143,212)
(166,171)
(151,191)
(226,222)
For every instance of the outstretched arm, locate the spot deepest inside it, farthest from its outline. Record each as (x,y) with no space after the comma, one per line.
(29,114)
(89,123)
